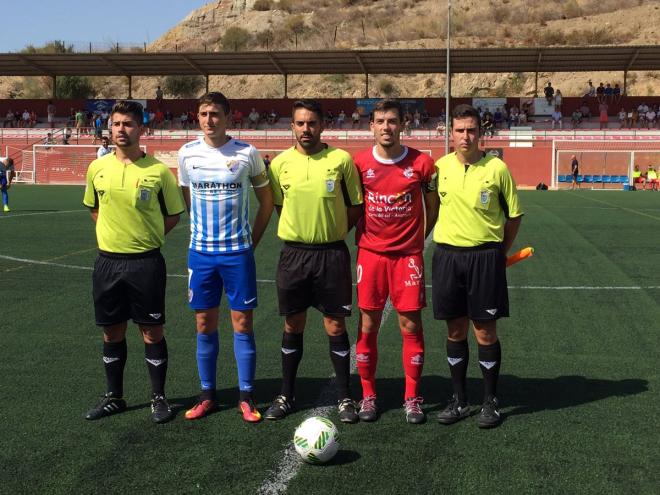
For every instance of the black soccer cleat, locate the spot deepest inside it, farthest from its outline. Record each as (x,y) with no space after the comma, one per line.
(347,410)
(107,406)
(413,409)
(489,416)
(161,412)
(280,408)
(454,412)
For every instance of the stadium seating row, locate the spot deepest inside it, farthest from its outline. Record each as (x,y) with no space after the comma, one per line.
(597,179)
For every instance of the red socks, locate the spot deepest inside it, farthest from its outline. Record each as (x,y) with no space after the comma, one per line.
(413,360)
(366,353)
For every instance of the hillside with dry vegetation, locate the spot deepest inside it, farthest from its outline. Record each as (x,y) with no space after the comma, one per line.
(239,25)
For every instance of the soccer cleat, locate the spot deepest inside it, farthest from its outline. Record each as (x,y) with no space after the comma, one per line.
(414,413)
(6,208)
(248,411)
(279,409)
(368,410)
(347,411)
(160,409)
(454,412)
(107,406)
(201,409)
(489,416)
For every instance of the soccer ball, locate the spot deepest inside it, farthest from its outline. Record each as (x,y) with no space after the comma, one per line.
(316,440)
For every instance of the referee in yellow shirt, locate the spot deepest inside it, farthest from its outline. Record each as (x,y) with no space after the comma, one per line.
(477,224)
(134,201)
(318,195)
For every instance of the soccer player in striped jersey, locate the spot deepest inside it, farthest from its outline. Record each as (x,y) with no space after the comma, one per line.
(400,209)
(6,176)
(215,173)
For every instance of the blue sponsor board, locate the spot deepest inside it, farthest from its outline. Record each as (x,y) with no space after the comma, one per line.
(98,106)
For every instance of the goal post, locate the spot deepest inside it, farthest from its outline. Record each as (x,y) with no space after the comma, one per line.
(60,163)
(603,164)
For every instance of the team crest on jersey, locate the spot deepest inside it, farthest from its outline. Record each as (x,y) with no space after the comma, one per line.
(370,173)
(484,197)
(408,172)
(330,185)
(233,166)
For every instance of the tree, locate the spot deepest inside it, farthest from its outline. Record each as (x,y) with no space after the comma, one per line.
(235,38)
(55,46)
(183,86)
(72,87)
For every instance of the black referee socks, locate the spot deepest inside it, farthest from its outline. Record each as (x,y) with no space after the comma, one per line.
(114,361)
(155,356)
(458,357)
(340,355)
(489,362)
(292,351)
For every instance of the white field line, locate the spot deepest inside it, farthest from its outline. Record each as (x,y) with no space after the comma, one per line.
(269,281)
(18,215)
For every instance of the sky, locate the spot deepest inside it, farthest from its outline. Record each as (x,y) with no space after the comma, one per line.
(77,22)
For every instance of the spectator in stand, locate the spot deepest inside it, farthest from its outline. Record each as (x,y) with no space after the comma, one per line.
(641,110)
(160,119)
(329,119)
(253,119)
(514,114)
(576,118)
(9,119)
(651,178)
(25,118)
(585,110)
(616,94)
(498,118)
(79,119)
(237,119)
(49,139)
(417,119)
(549,92)
(50,111)
(355,117)
(440,128)
(591,90)
(17,118)
(557,119)
(600,93)
(183,120)
(66,135)
(146,122)
(602,114)
(104,149)
(33,118)
(272,117)
(633,118)
(159,96)
(426,116)
(487,124)
(407,123)
(168,118)
(650,118)
(105,116)
(558,100)
(608,93)
(523,115)
(623,118)
(152,120)
(192,119)
(341,118)
(98,128)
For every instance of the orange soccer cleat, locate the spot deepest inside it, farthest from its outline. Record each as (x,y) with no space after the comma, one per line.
(201,409)
(248,411)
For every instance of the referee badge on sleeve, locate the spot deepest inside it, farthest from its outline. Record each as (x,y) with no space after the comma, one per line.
(330,185)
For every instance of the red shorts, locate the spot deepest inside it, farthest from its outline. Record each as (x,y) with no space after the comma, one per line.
(399,277)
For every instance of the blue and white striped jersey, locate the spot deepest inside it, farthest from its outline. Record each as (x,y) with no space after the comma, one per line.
(219,180)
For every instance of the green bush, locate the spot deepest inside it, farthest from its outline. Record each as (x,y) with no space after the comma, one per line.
(262,5)
(183,86)
(235,38)
(71,87)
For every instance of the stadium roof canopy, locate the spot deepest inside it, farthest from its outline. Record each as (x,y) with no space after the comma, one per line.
(421,61)
(413,61)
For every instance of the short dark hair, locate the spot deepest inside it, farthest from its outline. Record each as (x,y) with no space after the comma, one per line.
(214,98)
(384,106)
(10,162)
(462,111)
(131,107)
(307,104)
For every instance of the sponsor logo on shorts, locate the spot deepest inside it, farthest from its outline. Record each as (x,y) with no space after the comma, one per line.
(155,316)
(347,307)
(417,360)
(491,311)
(341,353)
(416,276)
(454,361)
(190,295)
(248,301)
(288,351)
(108,360)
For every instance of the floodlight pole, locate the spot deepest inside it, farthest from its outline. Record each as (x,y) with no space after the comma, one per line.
(448,78)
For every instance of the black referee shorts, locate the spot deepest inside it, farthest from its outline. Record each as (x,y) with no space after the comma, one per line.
(317,275)
(469,282)
(129,286)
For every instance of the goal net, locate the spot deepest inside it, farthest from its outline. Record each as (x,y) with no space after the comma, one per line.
(59,163)
(603,164)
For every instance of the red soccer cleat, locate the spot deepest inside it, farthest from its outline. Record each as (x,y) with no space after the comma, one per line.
(248,411)
(201,409)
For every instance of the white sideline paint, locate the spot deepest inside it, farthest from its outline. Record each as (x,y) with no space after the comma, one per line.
(17,215)
(269,281)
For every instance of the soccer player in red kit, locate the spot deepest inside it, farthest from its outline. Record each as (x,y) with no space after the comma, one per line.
(400,210)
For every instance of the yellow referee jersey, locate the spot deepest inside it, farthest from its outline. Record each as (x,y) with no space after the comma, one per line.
(475,202)
(132,200)
(314,192)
